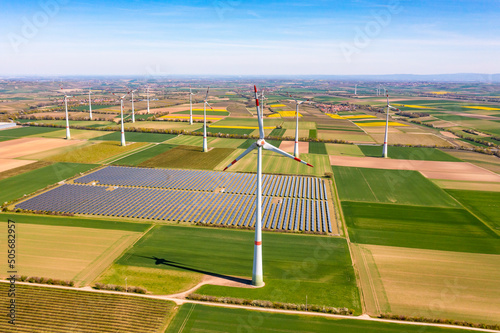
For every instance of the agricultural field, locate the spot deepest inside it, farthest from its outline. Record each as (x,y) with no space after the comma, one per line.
(190,140)
(188,157)
(329,279)
(488,162)
(95,153)
(42,309)
(32,165)
(317,148)
(31,181)
(343,149)
(136,158)
(200,112)
(164,125)
(408,153)
(197,318)
(434,228)
(357,137)
(429,283)
(135,137)
(402,187)
(483,204)
(25,131)
(227,130)
(252,122)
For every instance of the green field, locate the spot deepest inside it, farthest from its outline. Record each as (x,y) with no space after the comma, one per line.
(343,149)
(190,140)
(274,163)
(446,229)
(247,143)
(187,157)
(313,133)
(277,132)
(404,187)
(485,205)
(25,131)
(406,153)
(43,309)
(209,113)
(294,265)
(317,148)
(224,130)
(22,169)
(202,318)
(136,137)
(143,155)
(86,107)
(95,152)
(31,181)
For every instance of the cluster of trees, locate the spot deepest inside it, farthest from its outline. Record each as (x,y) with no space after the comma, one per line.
(412,114)
(44,280)
(102,286)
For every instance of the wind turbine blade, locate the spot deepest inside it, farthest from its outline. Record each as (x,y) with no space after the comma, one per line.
(209,106)
(206,96)
(249,149)
(259,118)
(269,146)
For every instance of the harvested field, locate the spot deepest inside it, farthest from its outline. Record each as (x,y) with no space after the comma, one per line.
(305,125)
(431,284)
(448,135)
(288,147)
(22,169)
(488,162)
(344,135)
(290,133)
(8,163)
(27,146)
(430,169)
(465,185)
(165,125)
(190,140)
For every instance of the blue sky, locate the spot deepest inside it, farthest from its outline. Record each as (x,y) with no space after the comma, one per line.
(234,37)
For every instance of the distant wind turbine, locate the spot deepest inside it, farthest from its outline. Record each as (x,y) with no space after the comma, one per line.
(257,273)
(384,150)
(90,104)
(296,144)
(68,136)
(147,96)
(121,114)
(190,106)
(133,111)
(205,103)
(355,89)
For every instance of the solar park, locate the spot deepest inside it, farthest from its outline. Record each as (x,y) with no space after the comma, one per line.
(292,203)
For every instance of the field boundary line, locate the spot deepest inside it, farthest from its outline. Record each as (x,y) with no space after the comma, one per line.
(253,308)
(193,305)
(125,154)
(370,280)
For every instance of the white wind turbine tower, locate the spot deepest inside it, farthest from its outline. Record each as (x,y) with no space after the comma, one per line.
(190,106)
(384,150)
(296,144)
(355,89)
(133,111)
(257,273)
(205,103)
(68,136)
(121,114)
(90,104)
(147,96)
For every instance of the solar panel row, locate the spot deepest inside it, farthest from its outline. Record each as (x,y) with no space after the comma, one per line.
(190,206)
(195,180)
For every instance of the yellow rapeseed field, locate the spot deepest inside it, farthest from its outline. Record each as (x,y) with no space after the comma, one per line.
(335,116)
(481,108)
(441,92)
(288,113)
(414,106)
(277,105)
(209,109)
(358,116)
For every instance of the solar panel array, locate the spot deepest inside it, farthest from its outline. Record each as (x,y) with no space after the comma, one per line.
(289,202)
(196,180)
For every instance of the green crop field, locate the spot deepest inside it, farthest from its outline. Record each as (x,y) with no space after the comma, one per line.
(485,205)
(188,157)
(190,140)
(407,153)
(446,229)
(136,137)
(31,181)
(143,155)
(224,130)
(226,143)
(247,143)
(95,152)
(313,133)
(43,309)
(343,149)
(303,125)
(22,169)
(317,148)
(25,131)
(277,132)
(294,265)
(275,163)
(404,187)
(202,318)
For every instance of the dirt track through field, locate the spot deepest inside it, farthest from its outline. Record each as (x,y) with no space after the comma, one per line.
(430,169)
(25,146)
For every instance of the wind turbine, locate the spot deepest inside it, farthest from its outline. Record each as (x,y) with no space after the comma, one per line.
(205,103)
(133,111)
(296,145)
(384,150)
(257,273)
(90,104)
(68,136)
(121,114)
(355,89)
(190,106)
(147,96)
